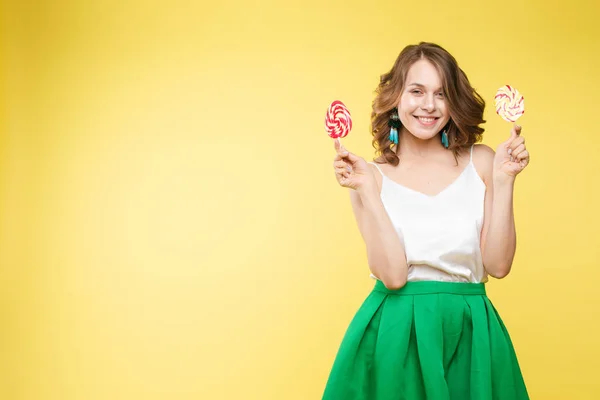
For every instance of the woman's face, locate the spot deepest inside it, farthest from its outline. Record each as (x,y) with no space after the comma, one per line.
(423,109)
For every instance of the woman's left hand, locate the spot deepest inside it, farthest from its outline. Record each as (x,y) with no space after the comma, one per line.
(511,156)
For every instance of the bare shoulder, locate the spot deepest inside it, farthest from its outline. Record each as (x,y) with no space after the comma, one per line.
(376,174)
(483,160)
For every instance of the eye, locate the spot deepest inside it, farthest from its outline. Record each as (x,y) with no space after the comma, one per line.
(415,91)
(440,95)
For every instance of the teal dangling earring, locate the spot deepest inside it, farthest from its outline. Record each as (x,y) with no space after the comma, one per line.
(394,124)
(445,139)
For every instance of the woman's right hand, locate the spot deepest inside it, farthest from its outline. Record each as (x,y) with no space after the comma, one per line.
(351,171)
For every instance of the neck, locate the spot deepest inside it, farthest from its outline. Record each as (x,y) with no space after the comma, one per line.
(412,146)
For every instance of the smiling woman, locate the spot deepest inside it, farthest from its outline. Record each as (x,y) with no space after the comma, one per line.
(455,107)
(428,329)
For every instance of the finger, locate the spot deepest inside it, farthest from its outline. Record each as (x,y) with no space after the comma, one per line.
(341,176)
(524,162)
(515,131)
(345,153)
(339,170)
(514,134)
(522,155)
(339,148)
(344,165)
(514,143)
(517,150)
(340,156)
(352,157)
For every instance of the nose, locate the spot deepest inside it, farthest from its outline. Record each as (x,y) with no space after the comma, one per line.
(428,103)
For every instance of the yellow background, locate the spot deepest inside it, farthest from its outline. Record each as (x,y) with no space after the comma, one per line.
(170,226)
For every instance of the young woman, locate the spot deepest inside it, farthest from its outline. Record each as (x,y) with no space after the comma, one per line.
(436,214)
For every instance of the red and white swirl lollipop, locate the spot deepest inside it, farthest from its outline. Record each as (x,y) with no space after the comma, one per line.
(338,122)
(510,104)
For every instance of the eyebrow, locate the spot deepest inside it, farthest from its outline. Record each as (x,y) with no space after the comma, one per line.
(421,85)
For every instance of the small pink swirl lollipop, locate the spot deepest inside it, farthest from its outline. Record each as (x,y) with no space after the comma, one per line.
(510,104)
(338,122)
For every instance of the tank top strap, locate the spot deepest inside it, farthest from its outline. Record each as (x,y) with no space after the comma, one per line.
(377,166)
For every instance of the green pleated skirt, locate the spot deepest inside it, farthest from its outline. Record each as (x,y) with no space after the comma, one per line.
(429,341)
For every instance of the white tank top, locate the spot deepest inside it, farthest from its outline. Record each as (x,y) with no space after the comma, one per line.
(441,233)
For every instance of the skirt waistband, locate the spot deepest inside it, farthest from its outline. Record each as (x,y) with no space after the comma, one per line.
(433,287)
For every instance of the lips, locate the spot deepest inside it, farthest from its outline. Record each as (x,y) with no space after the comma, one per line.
(427,121)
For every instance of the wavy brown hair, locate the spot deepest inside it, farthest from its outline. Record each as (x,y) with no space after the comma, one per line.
(464,103)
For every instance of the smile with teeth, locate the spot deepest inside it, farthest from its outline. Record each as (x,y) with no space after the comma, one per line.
(427,120)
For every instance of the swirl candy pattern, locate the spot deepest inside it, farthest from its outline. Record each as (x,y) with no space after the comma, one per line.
(510,104)
(338,122)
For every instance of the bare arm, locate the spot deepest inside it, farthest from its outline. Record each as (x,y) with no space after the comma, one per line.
(501,242)
(385,250)
(499,236)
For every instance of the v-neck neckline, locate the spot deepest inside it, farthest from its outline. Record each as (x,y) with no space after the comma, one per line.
(430,196)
